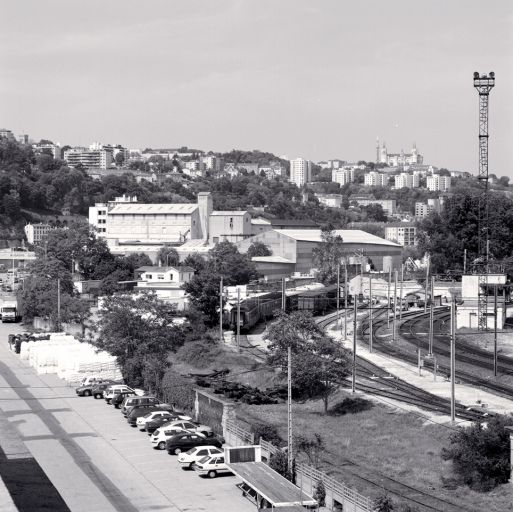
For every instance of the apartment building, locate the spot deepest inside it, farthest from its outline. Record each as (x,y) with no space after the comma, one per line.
(403,233)
(436,182)
(36,232)
(300,171)
(389,205)
(406,180)
(53,149)
(375,179)
(90,158)
(342,176)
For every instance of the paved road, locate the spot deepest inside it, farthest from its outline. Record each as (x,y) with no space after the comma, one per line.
(89,453)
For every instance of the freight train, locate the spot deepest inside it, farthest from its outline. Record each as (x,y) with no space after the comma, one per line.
(255,309)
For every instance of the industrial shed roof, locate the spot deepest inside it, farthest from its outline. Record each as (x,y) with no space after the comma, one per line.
(141,209)
(349,236)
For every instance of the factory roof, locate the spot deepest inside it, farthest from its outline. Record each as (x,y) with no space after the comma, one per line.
(141,209)
(226,213)
(196,245)
(270,259)
(349,236)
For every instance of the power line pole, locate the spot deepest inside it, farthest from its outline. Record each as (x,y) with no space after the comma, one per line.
(453,360)
(338,295)
(283,295)
(495,331)
(353,375)
(221,337)
(290,457)
(370,313)
(427,283)
(394,319)
(58,304)
(431,317)
(464,261)
(238,318)
(345,300)
(401,292)
(388,296)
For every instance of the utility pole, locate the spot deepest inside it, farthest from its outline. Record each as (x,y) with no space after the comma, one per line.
(370,313)
(238,318)
(290,456)
(221,337)
(345,300)
(431,317)
(338,295)
(395,306)
(388,296)
(353,375)
(58,304)
(283,295)
(453,360)
(427,283)
(464,261)
(401,292)
(495,331)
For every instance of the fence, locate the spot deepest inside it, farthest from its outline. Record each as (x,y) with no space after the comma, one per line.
(338,495)
(268,449)
(235,435)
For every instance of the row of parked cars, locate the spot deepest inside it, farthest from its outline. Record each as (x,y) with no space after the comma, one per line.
(197,447)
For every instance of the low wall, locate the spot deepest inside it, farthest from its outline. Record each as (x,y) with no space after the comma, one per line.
(45,324)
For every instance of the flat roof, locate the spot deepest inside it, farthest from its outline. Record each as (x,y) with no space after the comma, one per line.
(271,259)
(349,236)
(229,212)
(276,489)
(141,209)
(156,268)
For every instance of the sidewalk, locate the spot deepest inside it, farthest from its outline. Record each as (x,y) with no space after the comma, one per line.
(465,394)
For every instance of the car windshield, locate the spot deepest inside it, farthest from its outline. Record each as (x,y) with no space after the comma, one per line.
(191,451)
(147,415)
(204,459)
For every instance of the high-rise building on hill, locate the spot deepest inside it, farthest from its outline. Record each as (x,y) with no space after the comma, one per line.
(300,171)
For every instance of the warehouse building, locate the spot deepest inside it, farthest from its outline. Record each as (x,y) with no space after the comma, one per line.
(292,250)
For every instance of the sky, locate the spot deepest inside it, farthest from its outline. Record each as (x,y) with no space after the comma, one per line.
(318,79)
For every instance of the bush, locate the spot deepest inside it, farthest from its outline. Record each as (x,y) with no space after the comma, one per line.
(279,462)
(320,493)
(199,354)
(350,406)
(383,503)
(267,432)
(480,456)
(178,390)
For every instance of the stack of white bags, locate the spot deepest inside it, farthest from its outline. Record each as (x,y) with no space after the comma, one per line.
(69,359)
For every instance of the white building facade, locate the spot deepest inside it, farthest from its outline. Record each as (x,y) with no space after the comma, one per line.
(375,179)
(300,171)
(406,180)
(342,176)
(436,182)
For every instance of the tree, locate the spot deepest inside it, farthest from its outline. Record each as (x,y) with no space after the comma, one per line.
(383,503)
(226,261)
(137,329)
(328,255)
(504,181)
(195,261)
(375,213)
(320,493)
(327,362)
(203,291)
(258,249)
(279,462)
(168,256)
(480,456)
(120,159)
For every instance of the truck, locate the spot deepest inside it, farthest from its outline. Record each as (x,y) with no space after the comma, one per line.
(9,311)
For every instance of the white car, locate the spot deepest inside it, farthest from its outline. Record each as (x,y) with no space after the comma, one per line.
(162,434)
(211,466)
(192,426)
(187,459)
(153,415)
(112,390)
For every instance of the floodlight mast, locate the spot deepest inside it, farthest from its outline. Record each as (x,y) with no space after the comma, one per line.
(483,84)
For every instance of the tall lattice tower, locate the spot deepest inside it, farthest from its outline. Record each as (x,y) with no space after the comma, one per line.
(483,84)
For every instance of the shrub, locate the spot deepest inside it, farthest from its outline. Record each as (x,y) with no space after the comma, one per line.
(178,390)
(350,406)
(279,462)
(320,493)
(268,432)
(199,354)
(383,503)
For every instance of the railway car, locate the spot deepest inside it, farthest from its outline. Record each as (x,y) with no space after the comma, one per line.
(318,301)
(255,309)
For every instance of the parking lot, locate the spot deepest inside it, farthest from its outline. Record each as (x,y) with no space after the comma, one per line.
(95,460)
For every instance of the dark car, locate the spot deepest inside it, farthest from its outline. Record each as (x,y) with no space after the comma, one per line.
(153,425)
(98,389)
(128,405)
(187,440)
(141,410)
(119,398)
(87,390)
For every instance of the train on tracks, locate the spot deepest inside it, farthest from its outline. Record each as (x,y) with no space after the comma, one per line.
(261,307)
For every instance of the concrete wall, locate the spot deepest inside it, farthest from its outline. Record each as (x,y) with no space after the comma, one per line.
(280,245)
(232,228)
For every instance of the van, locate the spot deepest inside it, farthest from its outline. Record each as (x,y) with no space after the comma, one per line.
(130,401)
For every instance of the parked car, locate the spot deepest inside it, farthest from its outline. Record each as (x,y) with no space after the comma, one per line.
(183,442)
(86,389)
(161,435)
(192,426)
(137,400)
(187,459)
(156,423)
(211,466)
(141,410)
(118,398)
(142,420)
(111,390)
(98,389)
